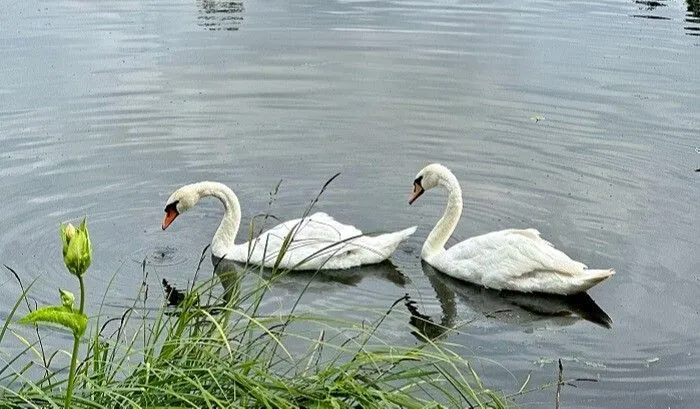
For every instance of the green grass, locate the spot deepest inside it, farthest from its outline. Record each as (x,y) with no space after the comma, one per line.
(227,354)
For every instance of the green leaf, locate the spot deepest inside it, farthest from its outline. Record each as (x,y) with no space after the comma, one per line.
(58,315)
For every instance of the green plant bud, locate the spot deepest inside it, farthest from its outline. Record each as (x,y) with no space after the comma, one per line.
(77,250)
(67,232)
(67,299)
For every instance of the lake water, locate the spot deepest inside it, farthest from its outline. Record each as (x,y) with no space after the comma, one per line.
(579,118)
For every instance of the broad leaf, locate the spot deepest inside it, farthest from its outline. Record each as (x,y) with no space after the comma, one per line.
(58,315)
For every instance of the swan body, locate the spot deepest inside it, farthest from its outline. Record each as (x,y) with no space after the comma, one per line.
(512,259)
(317,241)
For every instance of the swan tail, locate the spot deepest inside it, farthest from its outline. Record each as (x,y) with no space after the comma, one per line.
(379,248)
(593,277)
(392,240)
(395,238)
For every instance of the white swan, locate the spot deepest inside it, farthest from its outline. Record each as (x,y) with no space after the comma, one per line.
(318,241)
(510,259)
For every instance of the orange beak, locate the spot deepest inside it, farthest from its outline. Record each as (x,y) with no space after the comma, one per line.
(170,215)
(417,191)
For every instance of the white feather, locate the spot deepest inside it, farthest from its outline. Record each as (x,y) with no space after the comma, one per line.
(512,259)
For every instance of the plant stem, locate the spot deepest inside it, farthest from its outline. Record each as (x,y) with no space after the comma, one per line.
(71,374)
(76,345)
(82,294)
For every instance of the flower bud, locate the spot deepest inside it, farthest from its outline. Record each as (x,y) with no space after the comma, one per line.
(77,250)
(67,232)
(70,231)
(67,299)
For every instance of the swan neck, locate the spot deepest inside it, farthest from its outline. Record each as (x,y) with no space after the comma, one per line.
(435,243)
(225,236)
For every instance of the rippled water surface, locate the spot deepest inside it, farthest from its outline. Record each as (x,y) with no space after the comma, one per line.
(579,118)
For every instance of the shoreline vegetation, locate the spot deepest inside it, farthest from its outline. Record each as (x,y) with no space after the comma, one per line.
(219,351)
(216,349)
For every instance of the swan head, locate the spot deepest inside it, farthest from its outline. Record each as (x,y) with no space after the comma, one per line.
(428,178)
(180,201)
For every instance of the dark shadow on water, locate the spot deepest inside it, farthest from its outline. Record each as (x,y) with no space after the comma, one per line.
(385,270)
(650,5)
(506,306)
(694,7)
(693,17)
(309,283)
(652,10)
(173,295)
(220,15)
(230,274)
(649,17)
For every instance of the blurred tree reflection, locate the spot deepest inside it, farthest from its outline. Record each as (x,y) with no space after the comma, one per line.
(220,15)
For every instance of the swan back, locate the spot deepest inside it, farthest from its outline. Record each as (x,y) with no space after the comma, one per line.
(318,241)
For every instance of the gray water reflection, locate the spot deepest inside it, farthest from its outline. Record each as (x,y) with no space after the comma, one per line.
(106,106)
(220,15)
(238,285)
(654,10)
(309,284)
(693,17)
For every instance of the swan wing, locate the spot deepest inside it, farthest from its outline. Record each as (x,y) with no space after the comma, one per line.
(509,259)
(312,236)
(318,228)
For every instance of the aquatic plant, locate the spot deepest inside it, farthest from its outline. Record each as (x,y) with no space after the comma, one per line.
(77,256)
(218,350)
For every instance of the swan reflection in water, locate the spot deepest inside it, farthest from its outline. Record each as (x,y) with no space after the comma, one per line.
(232,274)
(298,282)
(506,306)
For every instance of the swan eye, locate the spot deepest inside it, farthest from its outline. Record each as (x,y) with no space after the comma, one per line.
(172,207)
(171,214)
(417,182)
